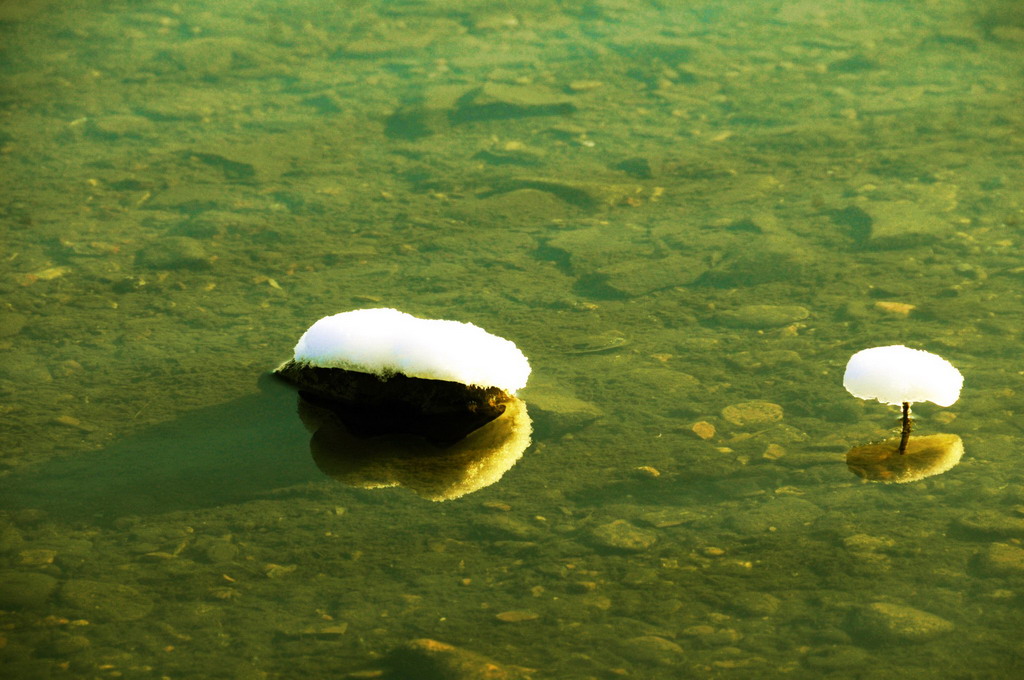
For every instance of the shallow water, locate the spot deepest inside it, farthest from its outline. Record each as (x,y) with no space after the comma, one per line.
(674,209)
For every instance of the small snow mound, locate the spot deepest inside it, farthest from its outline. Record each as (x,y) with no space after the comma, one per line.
(386,341)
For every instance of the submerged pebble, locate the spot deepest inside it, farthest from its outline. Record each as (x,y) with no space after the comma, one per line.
(517,616)
(703,429)
(425,658)
(621,535)
(989,524)
(752,413)
(1003,559)
(651,649)
(762,316)
(110,601)
(174,252)
(598,343)
(11,323)
(834,657)
(887,622)
(25,589)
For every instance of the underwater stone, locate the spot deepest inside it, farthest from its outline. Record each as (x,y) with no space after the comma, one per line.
(590,249)
(70,644)
(752,413)
(109,601)
(866,543)
(755,603)
(902,224)
(497,101)
(621,535)
(428,115)
(989,524)
(522,206)
(835,657)
(762,316)
(174,252)
(767,261)
(119,126)
(11,323)
(25,590)
(1003,559)
(886,622)
(557,411)
(643,276)
(11,540)
(221,551)
(426,659)
(508,527)
(652,649)
(782,514)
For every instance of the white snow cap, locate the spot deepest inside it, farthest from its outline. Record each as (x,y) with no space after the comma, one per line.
(386,341)
(895,374)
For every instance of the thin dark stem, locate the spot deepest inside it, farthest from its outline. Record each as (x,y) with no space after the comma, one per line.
(907,425)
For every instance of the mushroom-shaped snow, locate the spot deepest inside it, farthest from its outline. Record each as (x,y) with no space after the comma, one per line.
(897,375)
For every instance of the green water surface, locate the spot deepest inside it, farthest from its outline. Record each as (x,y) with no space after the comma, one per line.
(688,215)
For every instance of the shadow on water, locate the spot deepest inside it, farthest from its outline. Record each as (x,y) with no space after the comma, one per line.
(223,454)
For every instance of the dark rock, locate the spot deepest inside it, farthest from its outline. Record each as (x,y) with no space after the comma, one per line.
(440,410)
